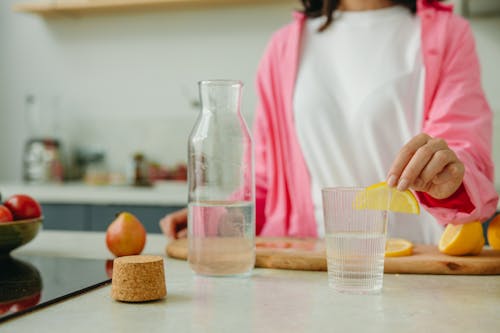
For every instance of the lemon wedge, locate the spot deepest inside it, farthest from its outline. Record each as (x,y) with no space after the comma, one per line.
(493,233)
(462,239)
(479,247)
(382,197)
(397,247)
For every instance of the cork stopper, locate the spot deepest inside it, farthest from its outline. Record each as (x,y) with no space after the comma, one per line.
(138,279)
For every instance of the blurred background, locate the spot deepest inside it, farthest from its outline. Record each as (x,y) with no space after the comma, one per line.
(110,95)
(120,82)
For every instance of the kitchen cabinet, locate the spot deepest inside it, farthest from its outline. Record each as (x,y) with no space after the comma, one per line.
(66,217)
(94,217)
(85,6)
(76,206)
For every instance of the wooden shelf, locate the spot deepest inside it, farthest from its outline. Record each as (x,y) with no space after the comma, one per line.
(55,7)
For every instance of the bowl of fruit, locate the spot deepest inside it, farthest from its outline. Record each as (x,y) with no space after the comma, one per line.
(20,220)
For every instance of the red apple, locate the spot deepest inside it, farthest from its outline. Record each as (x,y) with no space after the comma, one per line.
(5,214)
(23,207)
(27,302)
(126,235)
(4,307)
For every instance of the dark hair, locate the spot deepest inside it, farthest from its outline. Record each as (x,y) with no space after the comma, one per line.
(317,8)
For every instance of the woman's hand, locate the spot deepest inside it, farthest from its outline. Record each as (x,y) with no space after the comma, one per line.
(428,165)
(174,225)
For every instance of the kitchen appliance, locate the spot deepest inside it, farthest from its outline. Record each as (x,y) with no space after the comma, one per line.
(42,158)
(29,283)
(42,161)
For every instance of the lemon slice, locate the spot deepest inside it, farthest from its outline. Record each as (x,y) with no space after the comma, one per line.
(494,233)
(462,239)
(397,247)
(382,197)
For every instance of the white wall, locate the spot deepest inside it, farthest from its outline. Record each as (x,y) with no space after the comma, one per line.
(126,79)
(485,22)
(487,32)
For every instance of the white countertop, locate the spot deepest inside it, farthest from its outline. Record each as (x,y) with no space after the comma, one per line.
(268,301)
(163,193)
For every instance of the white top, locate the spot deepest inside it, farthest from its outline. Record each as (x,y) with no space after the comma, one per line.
(358,99)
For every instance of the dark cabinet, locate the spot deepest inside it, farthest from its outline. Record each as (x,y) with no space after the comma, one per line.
(66,217)
(93,217)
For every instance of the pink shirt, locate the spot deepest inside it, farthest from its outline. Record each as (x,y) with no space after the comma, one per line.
(455,109)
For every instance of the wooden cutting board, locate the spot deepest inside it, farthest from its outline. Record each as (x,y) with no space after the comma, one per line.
(310,255)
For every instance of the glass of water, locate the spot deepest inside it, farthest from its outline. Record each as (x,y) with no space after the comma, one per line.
(355,240)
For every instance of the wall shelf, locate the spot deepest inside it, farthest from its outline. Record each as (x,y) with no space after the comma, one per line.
(55,7)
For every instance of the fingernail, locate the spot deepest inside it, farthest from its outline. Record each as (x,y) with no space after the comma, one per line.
(403,184)
(391,181)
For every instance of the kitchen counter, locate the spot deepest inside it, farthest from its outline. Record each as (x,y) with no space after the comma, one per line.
(173,193)
(268,301)
(163,193)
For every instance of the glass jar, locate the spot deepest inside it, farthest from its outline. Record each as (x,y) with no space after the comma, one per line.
(221,203)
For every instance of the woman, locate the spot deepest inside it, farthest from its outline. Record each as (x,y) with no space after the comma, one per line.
(356,91)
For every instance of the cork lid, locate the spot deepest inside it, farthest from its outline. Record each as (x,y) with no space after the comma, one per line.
(138,278)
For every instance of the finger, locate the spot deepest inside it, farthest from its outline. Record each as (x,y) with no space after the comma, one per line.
(169,224)
(182,233)
(178,220)
(179,216)
(436,165)
(453,171)
(419,161)
(164,226)
(420,186)
(404,156)
(452,177)
(445,183)
(180,224)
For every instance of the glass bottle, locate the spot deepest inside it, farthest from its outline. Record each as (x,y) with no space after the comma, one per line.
(221,203)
